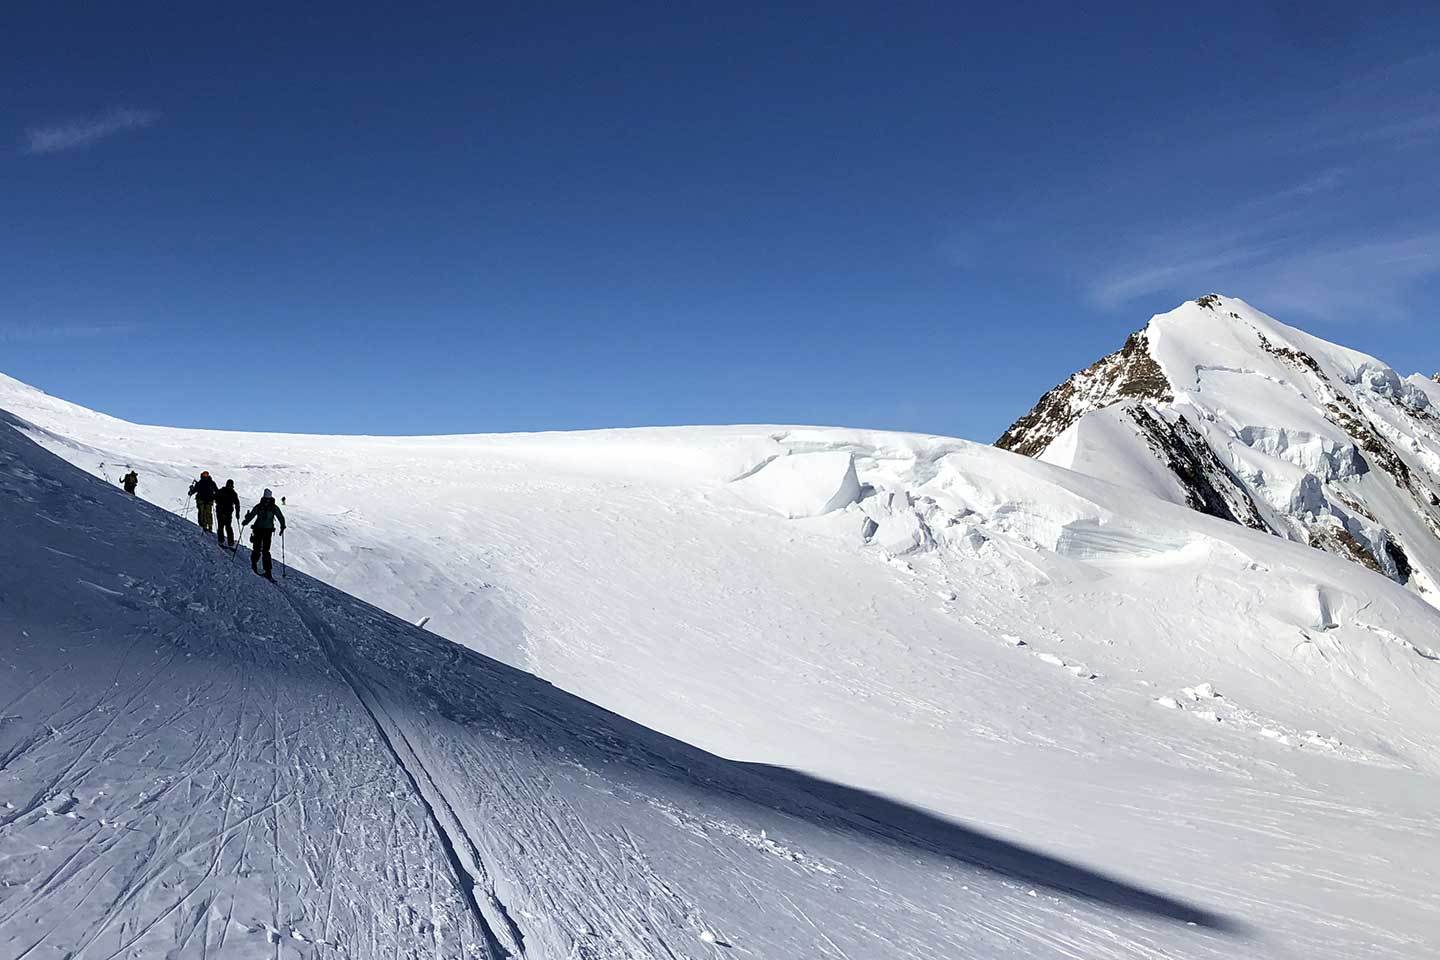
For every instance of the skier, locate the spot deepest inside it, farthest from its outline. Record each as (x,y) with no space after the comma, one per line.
(265,514)
(227,505)
(130,481)
(204,490)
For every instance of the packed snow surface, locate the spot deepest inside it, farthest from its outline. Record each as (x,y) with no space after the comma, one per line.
(938,672)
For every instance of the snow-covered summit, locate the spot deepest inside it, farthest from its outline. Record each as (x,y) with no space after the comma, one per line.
(1223,408)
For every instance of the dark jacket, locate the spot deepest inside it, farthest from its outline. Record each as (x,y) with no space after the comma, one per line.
(204,490)
(265,513)
(227,502)
(130,481)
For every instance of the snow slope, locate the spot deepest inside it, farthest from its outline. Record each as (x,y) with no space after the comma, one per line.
(194,763)
(993,640)
(1220,407)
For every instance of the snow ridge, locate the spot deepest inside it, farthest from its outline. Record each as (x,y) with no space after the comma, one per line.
(1240,417)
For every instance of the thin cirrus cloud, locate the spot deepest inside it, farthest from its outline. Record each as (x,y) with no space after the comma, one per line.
(1328,264)
(1250,235)
(77,134)
(1348,238)
(1351,279)
(1340,245)
(53,333)
(1359,279)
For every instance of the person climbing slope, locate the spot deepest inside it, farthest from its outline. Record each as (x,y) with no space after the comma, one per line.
(130,481)
(227,505)
(265,514)
(204,490)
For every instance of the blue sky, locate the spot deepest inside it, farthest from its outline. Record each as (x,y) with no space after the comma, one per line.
(444,217)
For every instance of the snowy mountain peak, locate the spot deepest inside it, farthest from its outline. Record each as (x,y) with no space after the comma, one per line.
(1221,407)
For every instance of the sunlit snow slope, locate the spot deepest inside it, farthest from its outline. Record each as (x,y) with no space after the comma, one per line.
(1208,712)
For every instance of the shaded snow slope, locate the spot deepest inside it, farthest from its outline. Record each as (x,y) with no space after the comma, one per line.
(194,763)
(1210,712)
(1217,406)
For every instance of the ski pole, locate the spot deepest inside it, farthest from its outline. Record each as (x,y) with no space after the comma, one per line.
(284,570)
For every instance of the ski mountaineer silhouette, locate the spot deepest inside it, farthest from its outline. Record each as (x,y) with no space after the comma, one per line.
(204,490)
(130,481)
(265,514)
(227,506)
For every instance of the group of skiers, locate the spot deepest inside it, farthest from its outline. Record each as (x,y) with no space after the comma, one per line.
(216,508)
(223,504)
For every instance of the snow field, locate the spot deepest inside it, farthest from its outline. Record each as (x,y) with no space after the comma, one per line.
(977,635)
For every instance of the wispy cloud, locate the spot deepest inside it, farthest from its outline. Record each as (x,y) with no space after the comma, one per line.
(1322,182)
(1339,278)
(1136,280)
(75,134)
(1361,280)
(42,333)
(1255,231)
(1313,202)
(1347,240)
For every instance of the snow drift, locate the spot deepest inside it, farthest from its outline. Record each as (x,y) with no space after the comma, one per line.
(802,485)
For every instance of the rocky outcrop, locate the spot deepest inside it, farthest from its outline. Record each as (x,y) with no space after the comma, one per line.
(1209,485)
(1128,374)
(1262,425)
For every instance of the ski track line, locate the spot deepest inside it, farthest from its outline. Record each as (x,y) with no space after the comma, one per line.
(147,877)
(464,879)
(48,789)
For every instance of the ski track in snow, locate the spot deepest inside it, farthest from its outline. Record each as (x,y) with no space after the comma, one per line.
(200,762)
(230,768)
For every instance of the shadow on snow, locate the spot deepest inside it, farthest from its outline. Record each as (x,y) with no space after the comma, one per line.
(474,692)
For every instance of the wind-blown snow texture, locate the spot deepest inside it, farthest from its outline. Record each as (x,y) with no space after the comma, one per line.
(1220,407)
(199,764)
(1146,715)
